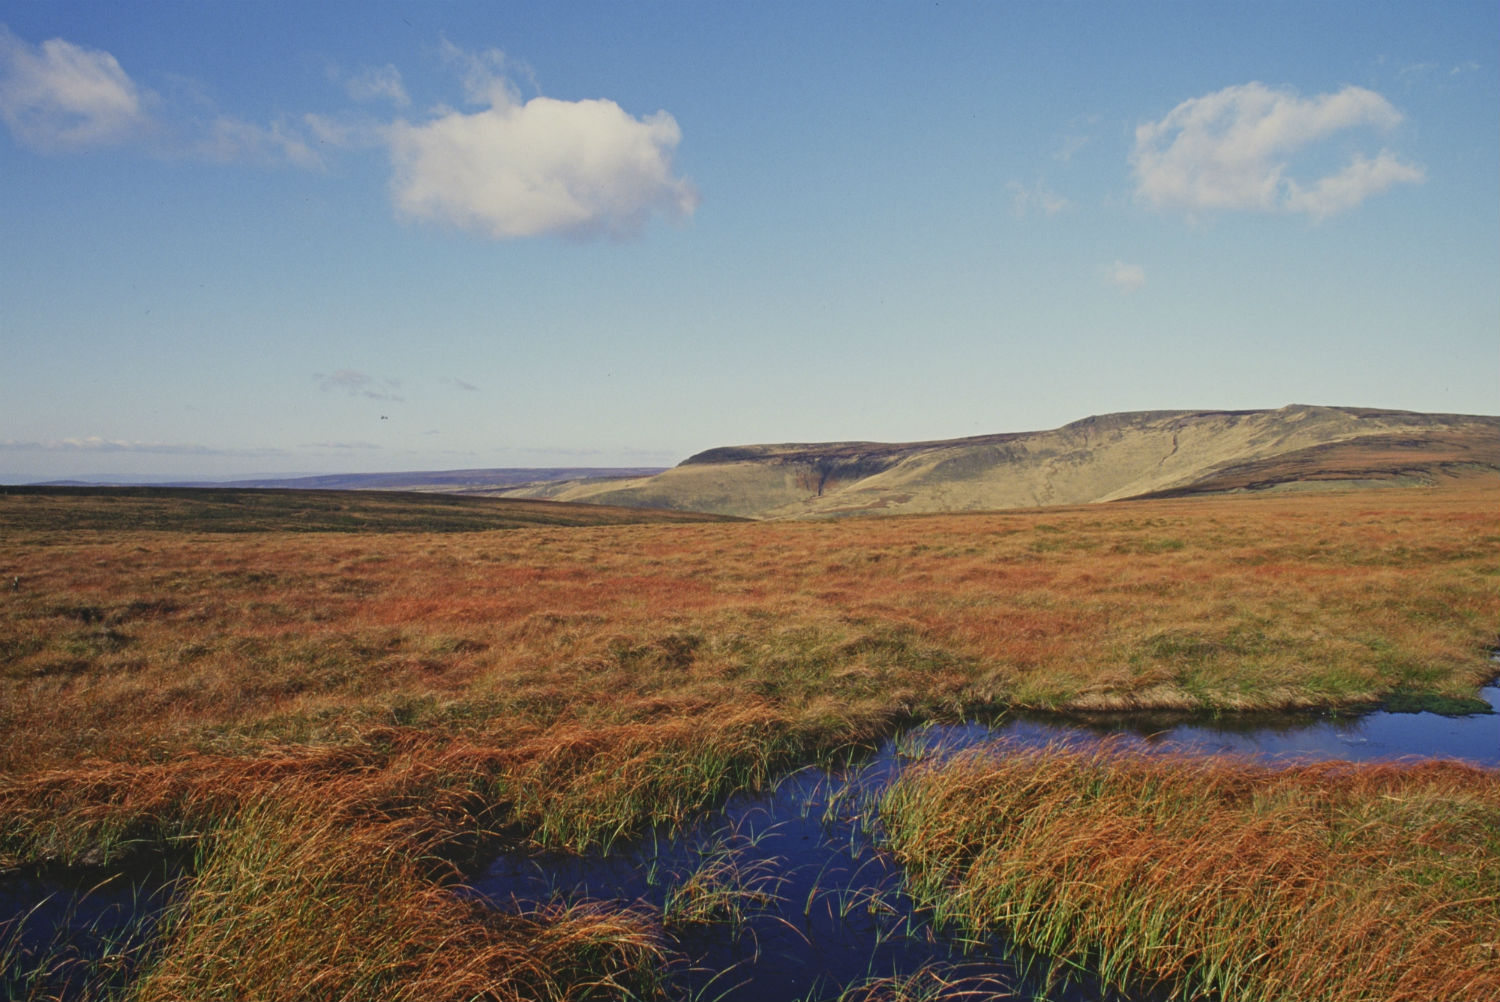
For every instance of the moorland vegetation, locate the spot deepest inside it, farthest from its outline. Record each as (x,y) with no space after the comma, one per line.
(328,723)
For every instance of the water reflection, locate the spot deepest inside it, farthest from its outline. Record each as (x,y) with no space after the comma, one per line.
(1368,737)
(782,895)
(805,904)
(808,905)
(79,932)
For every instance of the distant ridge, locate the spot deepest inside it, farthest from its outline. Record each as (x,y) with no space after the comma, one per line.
(435,481)
(452,481)
(1102,458)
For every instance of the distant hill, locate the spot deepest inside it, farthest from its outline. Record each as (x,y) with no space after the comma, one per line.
(440,481)
(1111,457)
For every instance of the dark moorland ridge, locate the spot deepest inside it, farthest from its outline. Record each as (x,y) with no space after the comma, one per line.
(43,508)
(1105,458)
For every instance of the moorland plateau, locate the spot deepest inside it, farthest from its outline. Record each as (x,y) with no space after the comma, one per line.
(330,703)
(1103,458)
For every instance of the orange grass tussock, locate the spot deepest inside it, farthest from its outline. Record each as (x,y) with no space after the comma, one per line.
(312,898)
(1215,876)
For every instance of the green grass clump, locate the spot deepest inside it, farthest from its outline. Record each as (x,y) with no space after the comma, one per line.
(724,886)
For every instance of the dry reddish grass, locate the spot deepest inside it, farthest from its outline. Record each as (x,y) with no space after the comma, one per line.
(313,896)
(1215,876)
(142,646)
(570,685)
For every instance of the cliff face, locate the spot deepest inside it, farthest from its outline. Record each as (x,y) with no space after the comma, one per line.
(1096,459)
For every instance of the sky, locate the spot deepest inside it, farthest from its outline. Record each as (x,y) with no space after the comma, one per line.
(244,239)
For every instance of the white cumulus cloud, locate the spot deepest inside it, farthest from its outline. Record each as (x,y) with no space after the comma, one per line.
(1233,150)
(519,169)
(61,97)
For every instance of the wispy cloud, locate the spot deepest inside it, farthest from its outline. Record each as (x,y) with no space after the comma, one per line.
(520,169)
(233,140)
(1125,277)
(99,444)
(373,83)
(457,383)
(60,97)
(1038,197)
(1071,146)
(342,446)
(1080,135)
(1231,150)
(656,456)
(1429,73)
(358,384)
(343,132)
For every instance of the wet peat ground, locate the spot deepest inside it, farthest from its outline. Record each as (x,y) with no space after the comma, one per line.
(783,894)
(807,906)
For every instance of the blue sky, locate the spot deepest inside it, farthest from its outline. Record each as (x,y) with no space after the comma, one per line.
(246,238)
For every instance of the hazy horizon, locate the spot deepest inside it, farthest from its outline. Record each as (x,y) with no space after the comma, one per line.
(377,237)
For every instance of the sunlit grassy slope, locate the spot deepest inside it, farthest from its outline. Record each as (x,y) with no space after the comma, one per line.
(1096,459)
(326,716)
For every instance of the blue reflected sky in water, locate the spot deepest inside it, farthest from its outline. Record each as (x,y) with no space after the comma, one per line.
(1369,737)
(67,920)
(830,911)
(835,914)
(838,916)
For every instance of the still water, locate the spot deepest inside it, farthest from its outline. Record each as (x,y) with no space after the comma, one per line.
(1371,737)
(801,903)
(79,932)
(811,907)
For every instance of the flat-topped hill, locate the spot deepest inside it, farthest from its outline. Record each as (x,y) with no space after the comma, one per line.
(1102,458)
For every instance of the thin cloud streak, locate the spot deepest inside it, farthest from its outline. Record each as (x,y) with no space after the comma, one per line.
(99,444)
(358,384)
(343,446)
